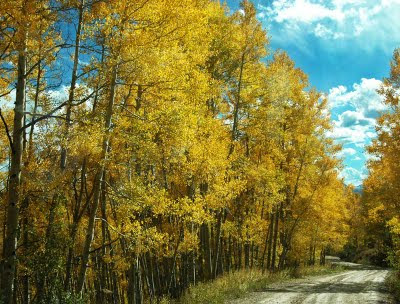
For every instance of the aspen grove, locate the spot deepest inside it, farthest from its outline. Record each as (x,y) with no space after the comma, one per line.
(149,145)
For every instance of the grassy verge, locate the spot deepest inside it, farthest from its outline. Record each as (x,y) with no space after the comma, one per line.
(238,284)
(393,284)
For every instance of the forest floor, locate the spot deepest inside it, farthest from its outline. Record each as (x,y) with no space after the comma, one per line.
(358,284)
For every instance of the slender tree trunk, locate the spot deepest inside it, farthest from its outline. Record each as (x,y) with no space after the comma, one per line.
(322,257)
(246,254)
(229,256)
(267,247)
(207,252)
(237,106)
(74,227)
(104,229)
(314,248)
(275,239)
(239,254)
(97,185)
(217,244)
(14,191)
(270,240)
(97,89)
(26,225)
(25,241)
(251,254)
(49,239)
(63,158)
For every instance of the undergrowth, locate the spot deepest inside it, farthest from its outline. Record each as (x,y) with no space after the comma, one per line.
(393,284)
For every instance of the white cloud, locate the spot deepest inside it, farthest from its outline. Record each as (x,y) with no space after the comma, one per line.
(357,111)
(358,135)
(351,118)
(353,176)
(336,92)
(322,31)
(375,22)
(302,11)
(360,145)
(59,95)
(363,98)
(346,152)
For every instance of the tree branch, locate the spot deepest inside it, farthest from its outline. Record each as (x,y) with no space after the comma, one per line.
(63,45)
(50,114)
(6,93)
(7,132)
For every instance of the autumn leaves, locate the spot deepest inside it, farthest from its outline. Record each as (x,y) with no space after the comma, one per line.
(184,153)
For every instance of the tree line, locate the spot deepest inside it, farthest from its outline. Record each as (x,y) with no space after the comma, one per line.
(150,145)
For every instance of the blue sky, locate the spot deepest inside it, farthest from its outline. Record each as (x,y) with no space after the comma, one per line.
(345,47)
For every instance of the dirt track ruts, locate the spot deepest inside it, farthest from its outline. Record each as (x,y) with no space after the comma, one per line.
(358,284)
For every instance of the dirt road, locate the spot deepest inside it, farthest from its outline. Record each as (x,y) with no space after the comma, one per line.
(358,284)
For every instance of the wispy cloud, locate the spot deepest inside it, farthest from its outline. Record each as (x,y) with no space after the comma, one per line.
(305,11)
(374,23)
(346,152)
(353,176)
(363,97)
(355,110)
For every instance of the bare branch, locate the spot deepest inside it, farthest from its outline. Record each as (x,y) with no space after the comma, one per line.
(6,93)
(50,114)
(63,45)
(7,132)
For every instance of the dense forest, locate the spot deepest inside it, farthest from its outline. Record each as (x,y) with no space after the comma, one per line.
(147,146)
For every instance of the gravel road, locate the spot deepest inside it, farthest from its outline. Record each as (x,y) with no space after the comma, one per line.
(358,284)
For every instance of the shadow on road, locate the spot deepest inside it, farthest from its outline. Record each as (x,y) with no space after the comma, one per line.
(353,266)
(341,287)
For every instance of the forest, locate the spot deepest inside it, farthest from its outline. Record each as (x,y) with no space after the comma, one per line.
(146,146)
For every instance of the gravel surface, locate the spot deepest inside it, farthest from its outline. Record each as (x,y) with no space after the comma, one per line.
(358,284)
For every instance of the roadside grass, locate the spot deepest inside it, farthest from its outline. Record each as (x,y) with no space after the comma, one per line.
(392,282)
(238,284)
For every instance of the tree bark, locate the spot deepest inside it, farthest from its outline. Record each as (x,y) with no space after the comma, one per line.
(217,244)
(97,184)
(63,157)
(267,246)
(77,214)
(275,239)
(271,231)
(14,189)
(237,106)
